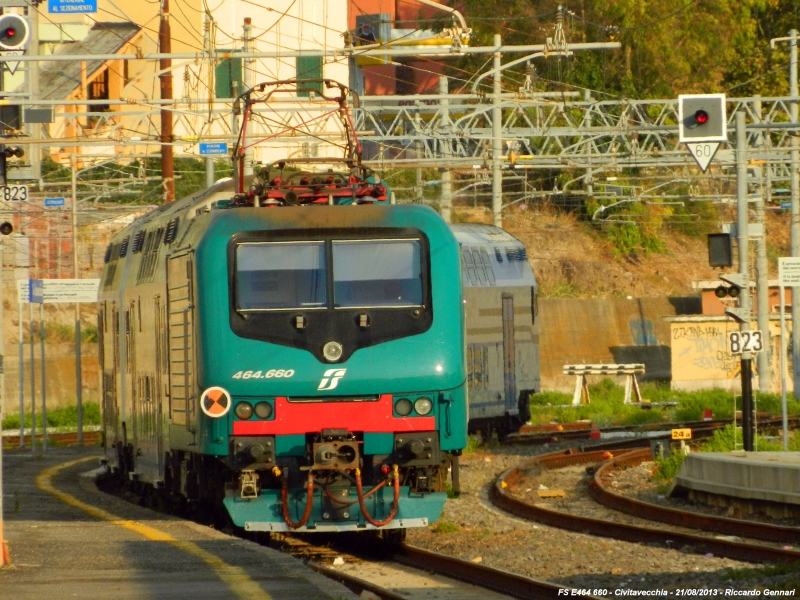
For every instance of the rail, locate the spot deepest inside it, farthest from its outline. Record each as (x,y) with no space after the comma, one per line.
(500,495)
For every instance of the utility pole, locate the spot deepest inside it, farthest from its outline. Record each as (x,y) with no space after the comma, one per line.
(165,81)
(497,139)
(247,82)
(446,175)
(32,73)
(762,266)
(745,305)
(76,275)
(795,229)
(33,372)
(2,399)
(794,179)
(208,51)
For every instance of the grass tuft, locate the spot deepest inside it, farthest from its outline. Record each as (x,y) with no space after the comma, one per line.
(446,527)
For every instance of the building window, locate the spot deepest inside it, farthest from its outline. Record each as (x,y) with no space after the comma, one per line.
(98,90)
(404,81)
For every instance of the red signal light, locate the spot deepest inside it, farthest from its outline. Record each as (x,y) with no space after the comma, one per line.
(701,117)
(11,32)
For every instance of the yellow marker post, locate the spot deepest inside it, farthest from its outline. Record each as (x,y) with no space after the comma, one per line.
(682,434)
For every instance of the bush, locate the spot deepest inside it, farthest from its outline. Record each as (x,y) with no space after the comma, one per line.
(64,417)
(607,405)
(667,467)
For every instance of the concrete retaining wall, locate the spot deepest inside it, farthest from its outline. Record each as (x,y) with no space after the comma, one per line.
(606,331)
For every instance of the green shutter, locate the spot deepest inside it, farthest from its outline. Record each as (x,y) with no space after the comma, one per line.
(228,77)
(309,67)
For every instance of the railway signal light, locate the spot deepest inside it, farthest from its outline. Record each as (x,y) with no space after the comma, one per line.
(6,228)
(702,118)
(7,152)
(720,250)
(14,32)
(736,283)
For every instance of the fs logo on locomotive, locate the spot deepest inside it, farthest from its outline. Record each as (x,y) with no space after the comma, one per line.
(331,379)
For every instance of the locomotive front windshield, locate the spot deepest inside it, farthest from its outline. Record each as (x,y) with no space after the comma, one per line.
(276,275)
(376,273)
(294,275)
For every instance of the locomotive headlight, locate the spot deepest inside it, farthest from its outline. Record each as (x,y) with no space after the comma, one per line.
(423,405)
(403,407)
(243,410)
(263,410)
(332,351)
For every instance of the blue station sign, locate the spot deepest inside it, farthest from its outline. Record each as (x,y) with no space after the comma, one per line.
(64,7)
(53,202)
(36,291)
(213,148)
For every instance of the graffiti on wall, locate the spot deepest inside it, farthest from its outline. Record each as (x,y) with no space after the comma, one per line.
(700,351)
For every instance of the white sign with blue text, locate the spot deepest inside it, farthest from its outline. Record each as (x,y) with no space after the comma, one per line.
(64,7)
(60,291)
(53,202)
(213,148)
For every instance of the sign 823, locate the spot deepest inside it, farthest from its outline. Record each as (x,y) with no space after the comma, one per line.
(745,341)
(15,193)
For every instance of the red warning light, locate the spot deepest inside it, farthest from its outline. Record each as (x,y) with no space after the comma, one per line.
(701,117)
(11,32)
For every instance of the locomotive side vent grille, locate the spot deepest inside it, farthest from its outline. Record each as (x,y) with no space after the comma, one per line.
(172,231)
(138,241)
(147,267)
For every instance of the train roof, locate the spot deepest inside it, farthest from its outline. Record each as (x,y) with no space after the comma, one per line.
(491,256)
(480,233)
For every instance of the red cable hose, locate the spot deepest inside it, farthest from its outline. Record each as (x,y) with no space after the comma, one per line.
(285,501)
(395,501)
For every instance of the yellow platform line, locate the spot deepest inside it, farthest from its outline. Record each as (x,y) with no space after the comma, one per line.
(236,578)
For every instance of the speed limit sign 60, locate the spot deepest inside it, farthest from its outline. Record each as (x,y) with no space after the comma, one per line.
(745,341)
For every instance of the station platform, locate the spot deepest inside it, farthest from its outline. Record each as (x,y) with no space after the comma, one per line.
(765,478)
(69,540)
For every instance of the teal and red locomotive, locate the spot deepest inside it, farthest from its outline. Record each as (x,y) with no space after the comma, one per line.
(289,346)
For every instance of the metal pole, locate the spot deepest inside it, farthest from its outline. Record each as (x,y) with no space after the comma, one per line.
(44,388)
(33,376)
(795,189)
(165,82)
(76,275)
(783,373)
(21,381)
(446,174)
(744,298)
(762,281)
(3,399)
(2,406)
(247,82)
(209,171)
(497,139)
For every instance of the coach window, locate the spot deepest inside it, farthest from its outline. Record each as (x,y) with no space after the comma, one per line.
(281,275)
(377,273)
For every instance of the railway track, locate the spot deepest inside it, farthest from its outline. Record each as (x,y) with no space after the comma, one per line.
(603,494)
(431,575)
(375,569)
(90,438)
(630,434)
(502,497)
